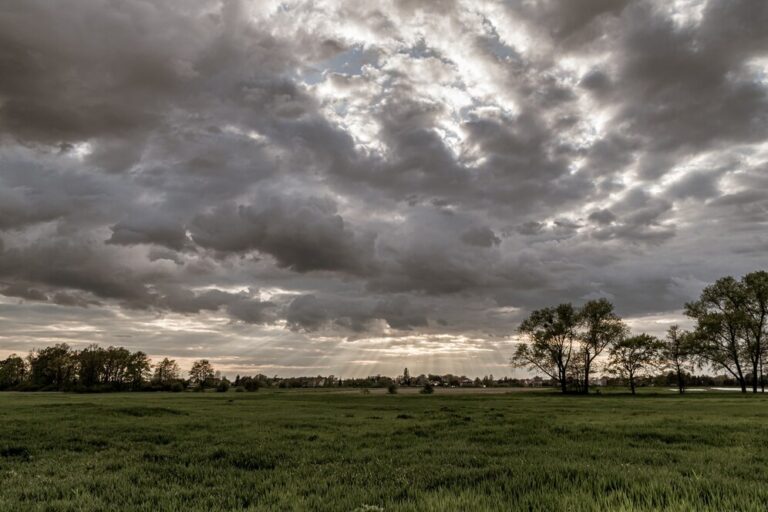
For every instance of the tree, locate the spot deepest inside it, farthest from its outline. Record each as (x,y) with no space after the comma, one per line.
(631,356)
(250,383)
(13,371)
(722,327)
(551,333)
(91,361)
(677,354)
(223,385)
(601,329)
(52,367)
(137,369)
(755,288)
(406,377)
(202,373)
(166,372)
(116,362)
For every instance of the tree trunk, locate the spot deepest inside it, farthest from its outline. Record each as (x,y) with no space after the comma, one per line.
(680,383)
(563,383)
(754,375)
(740,375)
(632,385)
(586,376)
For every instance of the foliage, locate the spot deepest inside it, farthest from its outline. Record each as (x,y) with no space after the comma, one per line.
(601,328)
(755,287)
(92,369)
(552,334)
(167,372)
(202,373)
(731,335)
(53,367)
(249,383)
(633,356)
(427,389)
(13,371)
(678,354)
(721,327)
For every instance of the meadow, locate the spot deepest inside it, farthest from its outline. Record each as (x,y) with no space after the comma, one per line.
(304,450)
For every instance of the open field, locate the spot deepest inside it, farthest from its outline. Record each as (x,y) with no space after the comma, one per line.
(296,450)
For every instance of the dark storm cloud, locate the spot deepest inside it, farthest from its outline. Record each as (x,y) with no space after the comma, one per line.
(301,234)
(252,311)
(404,169)
(480,236)
(603,216)
(65,264)
(23,292)
(312,313)
(149,230)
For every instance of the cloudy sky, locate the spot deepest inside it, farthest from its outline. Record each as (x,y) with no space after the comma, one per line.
(317,187)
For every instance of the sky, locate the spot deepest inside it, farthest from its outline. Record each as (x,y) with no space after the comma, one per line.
(350,188)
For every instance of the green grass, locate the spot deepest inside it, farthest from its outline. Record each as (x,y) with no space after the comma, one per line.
(329,451)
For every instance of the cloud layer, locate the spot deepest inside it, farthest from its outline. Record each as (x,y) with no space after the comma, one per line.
(334,186)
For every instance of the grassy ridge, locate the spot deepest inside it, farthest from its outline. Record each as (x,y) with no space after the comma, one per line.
(327,451)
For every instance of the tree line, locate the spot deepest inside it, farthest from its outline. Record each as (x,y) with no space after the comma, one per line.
(566,343)
(99,369)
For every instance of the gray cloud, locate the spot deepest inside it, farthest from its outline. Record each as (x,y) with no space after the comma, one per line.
(297,175)
(301,234)
(148,230)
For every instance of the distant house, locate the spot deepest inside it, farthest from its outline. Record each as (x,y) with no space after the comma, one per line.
(602,381)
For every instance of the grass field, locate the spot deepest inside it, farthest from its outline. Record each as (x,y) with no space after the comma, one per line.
(347,451)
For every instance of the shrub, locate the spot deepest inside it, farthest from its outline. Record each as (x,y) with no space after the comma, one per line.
(250,384)
(222,386)
(392,389)
(239,389)
(428,389)
(176,387)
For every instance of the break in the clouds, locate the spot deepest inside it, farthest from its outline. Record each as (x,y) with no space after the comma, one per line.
(352,187)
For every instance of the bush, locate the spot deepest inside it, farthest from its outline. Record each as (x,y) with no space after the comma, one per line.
(176,387)
(392,389)
(250,384)
(365,391)
(428,389)
(239,389)
(223,386)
